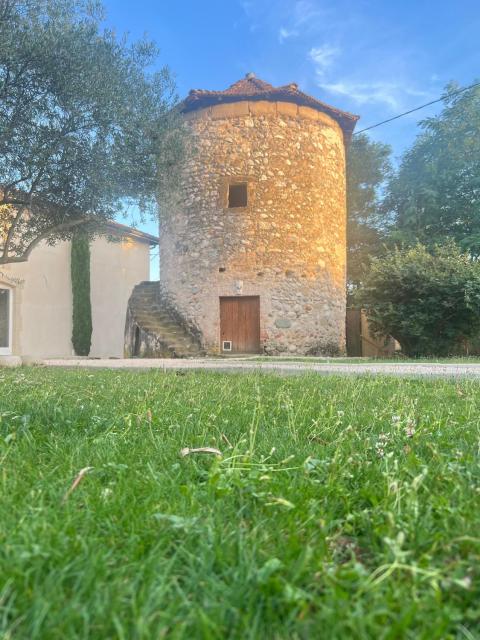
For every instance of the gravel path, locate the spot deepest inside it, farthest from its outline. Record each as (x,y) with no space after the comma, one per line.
(394,369)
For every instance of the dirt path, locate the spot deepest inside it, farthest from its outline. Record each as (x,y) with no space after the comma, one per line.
(212,364)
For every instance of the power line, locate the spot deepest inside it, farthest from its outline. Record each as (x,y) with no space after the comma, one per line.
(427,104)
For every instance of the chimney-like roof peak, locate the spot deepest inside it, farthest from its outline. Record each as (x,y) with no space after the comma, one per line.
(252,88)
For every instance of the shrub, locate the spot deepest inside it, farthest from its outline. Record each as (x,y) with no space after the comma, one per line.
(82,309)
(429,300)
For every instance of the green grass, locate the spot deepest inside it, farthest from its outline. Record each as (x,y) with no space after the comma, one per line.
(342,507)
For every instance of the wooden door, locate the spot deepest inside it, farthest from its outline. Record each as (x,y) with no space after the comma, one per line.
(354,333)
(240,324)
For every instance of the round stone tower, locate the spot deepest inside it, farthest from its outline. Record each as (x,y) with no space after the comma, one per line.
(252,255)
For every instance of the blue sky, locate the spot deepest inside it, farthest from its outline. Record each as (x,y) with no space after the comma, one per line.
(375,58)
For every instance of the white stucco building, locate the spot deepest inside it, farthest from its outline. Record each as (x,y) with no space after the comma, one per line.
(36,297)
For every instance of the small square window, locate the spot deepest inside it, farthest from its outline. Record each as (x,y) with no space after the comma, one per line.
(237,195)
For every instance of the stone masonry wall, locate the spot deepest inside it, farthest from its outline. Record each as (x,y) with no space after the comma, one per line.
(287,246)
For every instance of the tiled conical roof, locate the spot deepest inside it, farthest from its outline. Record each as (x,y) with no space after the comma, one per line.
(252,88)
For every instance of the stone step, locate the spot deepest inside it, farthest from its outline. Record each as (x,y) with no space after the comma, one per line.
(166,336)
(150,313)
(161,318)
(146,310)
(144,313)
(146,301)
(139,295)
(151,291)
(168,325)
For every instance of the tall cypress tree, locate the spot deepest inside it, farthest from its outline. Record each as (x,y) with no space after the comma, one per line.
(82,308)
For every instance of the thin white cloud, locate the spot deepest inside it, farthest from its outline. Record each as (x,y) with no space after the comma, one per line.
(323,57)
(391,94)
(304,12)
(348,54)
(285,34)
(250,10)
(289,18)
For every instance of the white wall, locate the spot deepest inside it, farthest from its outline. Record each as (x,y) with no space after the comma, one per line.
(42,317)
(42,320)
(115,269)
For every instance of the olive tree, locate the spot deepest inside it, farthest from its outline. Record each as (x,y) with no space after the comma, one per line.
(86,129)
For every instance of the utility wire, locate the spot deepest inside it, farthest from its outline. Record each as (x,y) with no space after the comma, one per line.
(427,104)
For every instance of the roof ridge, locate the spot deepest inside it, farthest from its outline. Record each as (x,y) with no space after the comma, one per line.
(128,230)
(252,88)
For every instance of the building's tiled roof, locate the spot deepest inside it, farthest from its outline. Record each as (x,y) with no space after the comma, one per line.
(116,228)
(252,88)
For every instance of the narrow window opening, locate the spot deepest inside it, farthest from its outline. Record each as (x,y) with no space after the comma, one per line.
(5,321)
(137,343)
(237,195)
(221,269)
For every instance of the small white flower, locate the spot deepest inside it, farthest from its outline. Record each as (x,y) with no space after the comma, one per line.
(466,582)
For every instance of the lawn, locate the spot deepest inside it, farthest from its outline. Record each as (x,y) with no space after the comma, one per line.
(341,508)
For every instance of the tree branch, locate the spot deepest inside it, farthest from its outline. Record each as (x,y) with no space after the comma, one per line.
(66,226)
(11,230)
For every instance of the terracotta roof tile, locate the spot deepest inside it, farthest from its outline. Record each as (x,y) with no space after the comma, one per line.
(252,88)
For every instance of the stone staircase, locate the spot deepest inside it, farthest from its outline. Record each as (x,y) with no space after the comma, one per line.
(154,330)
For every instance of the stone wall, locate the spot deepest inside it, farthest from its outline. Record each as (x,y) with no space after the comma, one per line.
(287,246)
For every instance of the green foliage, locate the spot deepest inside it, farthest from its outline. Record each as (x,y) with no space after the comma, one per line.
(81,304)
(429,300)
(436,192)
(86,129)
(343,507)
(368,166)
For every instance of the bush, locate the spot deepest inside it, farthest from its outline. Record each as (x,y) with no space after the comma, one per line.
(82,308)
(429,300)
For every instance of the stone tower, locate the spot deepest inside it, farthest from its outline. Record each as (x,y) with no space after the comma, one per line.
(252,255)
